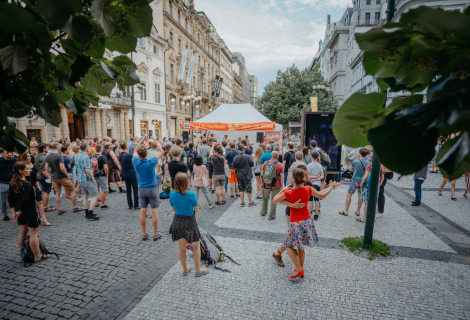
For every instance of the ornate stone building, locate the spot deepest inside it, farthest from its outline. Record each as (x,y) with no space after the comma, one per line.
(237,84)
(239,59)
(186,28)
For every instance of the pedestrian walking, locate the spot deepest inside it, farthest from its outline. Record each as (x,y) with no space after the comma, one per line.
(435,168)
(273,178)
(148,189)
(257,171)
(243,164)
(419,178)
(229,156)
(201,180)
(218,163)
(7,161)
(129,175)
(452,187)
(22,200)
(184,227)
(301,231)
(102,175)
(85,175)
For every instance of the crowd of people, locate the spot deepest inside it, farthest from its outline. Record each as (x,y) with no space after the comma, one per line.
(84,171)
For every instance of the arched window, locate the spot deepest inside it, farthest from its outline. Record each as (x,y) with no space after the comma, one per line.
(169,10)
(179,17)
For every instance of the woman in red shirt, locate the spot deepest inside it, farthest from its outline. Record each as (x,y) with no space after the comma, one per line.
(301,230)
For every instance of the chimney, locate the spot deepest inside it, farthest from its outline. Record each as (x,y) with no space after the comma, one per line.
(328,19)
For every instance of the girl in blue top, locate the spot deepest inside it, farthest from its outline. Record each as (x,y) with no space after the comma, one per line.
(184,228)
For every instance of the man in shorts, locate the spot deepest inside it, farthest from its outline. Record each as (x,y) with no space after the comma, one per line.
(358,166)
(148,188)
(229,156)
(55,165)
(316,175)
(84,174)
(114,167)
(218,177)
(102,181)
(243,168)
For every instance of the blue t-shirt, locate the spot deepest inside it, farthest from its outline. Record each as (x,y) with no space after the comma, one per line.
(145,169)
(68,162)
(248,151)
(183,203)
(265,157)
(229,156)
(359,166)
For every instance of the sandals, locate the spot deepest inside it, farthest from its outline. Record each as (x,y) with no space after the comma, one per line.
(61,212)
(78,209)
(105,207)
(145,237)
(49,209)
(440,194)
(297,274)
(202,273)
(360,220)
(302,276)
(156,237)
(271,218)
(343,213)
(453,198)
(186,273)
(47,223)
(223,202)
(218,203)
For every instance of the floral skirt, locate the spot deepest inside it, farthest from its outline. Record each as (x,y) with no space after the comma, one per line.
(300,234)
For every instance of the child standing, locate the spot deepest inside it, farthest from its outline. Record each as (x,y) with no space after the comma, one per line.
(201,173)
(184,228)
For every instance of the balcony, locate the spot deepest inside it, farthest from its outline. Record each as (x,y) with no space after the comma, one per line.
(116,100)
(182,88)
(202,70)
(367,23)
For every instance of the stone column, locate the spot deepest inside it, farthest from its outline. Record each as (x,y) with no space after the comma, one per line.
(122,127)
(126,125)
(21,125)
(56,133)
(97,123)
(137,130)
(65,123)
(103,123)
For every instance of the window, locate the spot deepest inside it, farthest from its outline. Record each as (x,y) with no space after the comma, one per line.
(179,17)
(171,39)
(143,92)
(198,38)
(141,42)
(368,3)
(169,10)
(377,2)
(179,46)
(156,50)
(172,72)
(377,16)
(367,18)
(157,92)
(127,92)
(186,24)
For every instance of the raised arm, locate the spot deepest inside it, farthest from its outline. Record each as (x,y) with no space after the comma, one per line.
(325,192)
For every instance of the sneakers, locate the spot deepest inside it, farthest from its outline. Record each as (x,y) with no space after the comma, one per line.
(238,196)
(242,205)
(137,208)
(186,273)
(211,206)
(232,197)
(315,217)
(6,218)
(92,218)
(379,215)
(259,198)
(122,191)
(415,204)
(111,190)
(278,259)
(251,204)
(202,273)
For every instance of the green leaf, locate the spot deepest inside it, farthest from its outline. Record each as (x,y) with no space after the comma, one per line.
(78,27)
(402,147)
(92,83)
(97,48)
(49,110)
(382,84)
(452,155)
(79,69)
(139,23)
(64,94)
(130,78)
(124,44)
(13,140)
(70,47)
(16,108)
(14,59)
(110,72)
(87,97)
(122,62)
(102,15)
(401,103)
(14,18)
(353,132)
(57,12)
(77,106)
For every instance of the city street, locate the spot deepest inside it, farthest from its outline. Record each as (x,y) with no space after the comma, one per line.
(106,271)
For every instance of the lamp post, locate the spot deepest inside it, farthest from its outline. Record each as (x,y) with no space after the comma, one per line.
(192,99)
(133,105)
(319,87)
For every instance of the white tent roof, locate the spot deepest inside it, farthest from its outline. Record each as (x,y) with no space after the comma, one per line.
(234,113)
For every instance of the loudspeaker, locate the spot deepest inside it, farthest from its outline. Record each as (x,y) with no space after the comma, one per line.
(259,137)
(319,127)
(186,135)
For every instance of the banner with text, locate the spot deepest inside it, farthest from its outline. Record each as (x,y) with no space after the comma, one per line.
(255,126)
(192,62)
(214,88)
(220,86)
(314,103)
(184,57)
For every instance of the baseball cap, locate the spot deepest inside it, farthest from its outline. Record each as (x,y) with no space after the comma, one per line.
(241,148)
(185,141)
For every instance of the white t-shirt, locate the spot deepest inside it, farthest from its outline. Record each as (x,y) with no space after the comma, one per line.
(314,169)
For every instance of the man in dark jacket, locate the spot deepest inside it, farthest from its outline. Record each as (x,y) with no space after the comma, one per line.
(243,165)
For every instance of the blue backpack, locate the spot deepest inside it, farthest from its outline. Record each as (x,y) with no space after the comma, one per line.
(164,195)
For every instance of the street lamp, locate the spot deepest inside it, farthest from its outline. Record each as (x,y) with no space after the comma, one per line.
(319,87)
(139,86)
(191,100)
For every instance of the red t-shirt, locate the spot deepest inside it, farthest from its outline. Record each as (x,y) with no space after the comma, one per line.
(293,195)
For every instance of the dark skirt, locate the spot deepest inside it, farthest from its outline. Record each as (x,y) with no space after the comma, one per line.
(185,227)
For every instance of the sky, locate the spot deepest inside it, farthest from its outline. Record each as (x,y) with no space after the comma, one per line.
(272,34)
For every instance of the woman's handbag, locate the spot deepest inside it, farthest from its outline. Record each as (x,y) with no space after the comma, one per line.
(205,181)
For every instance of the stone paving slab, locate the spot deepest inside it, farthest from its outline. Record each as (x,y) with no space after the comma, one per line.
(457,211)
(398,227)
(433,180)
(338,285)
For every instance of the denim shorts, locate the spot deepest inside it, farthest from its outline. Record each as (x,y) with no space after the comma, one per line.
(45,187)
(148,196)
(353,186)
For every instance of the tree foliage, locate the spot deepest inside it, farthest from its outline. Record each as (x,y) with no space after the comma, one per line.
(284,98)
(51,54)
(429,49)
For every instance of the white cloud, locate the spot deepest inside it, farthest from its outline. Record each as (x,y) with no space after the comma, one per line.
(318,3)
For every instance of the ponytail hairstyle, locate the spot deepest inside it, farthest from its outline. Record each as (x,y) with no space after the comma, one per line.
(298,176)
(16,182)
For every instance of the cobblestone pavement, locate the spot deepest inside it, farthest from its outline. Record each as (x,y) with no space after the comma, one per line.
(107,272)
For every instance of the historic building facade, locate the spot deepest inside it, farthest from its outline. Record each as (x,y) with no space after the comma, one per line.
(226,71)
(244,75)
(185,28)
(253,90)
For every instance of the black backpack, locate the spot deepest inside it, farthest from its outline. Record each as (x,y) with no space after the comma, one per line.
(190,157)
(28,256)
(211,252)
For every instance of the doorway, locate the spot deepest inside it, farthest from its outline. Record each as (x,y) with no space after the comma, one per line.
(36,133)
(76,127)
